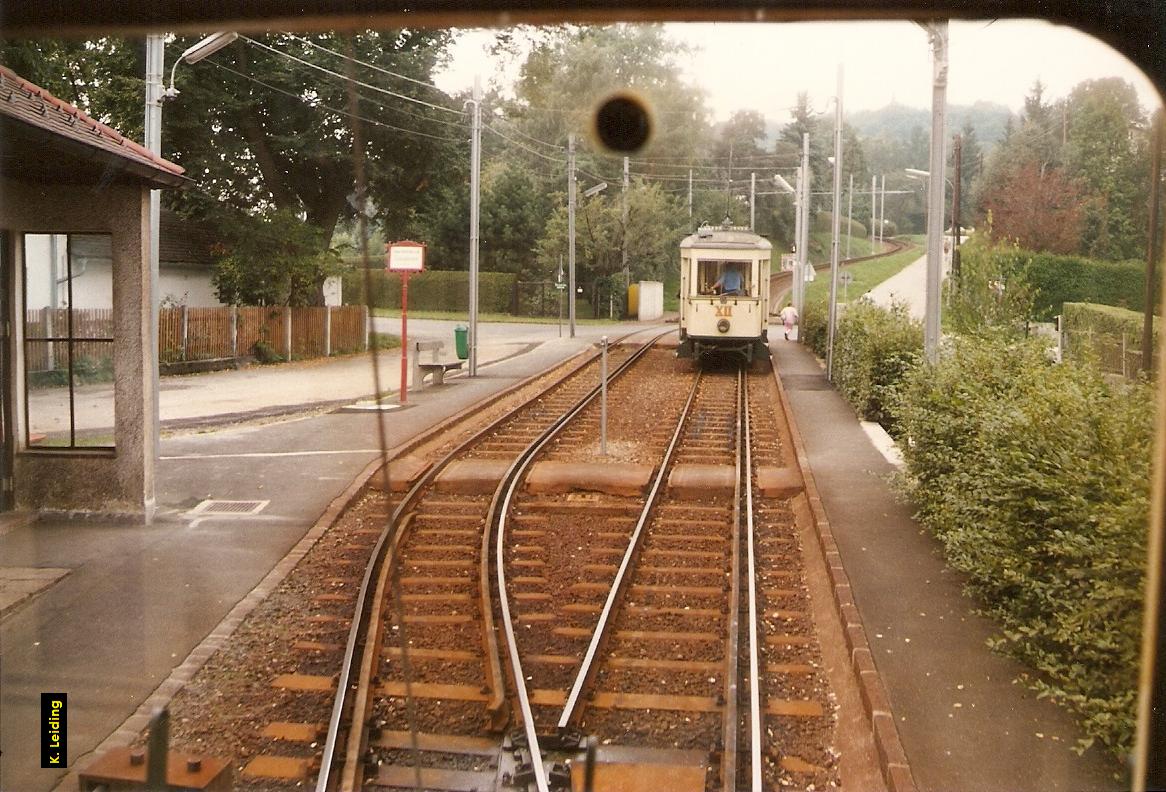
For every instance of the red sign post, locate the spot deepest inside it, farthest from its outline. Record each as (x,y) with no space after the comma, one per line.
(404,257)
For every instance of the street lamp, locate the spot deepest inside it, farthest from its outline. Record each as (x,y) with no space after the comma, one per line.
(155,64)
(915,173)
(203,49)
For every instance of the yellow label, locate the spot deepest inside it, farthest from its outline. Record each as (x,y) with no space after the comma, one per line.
(724,310)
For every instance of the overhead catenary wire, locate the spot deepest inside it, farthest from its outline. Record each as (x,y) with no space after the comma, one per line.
(322,106)
(372,66)
(429,119)
(523,146)
(362,84)
(522,134)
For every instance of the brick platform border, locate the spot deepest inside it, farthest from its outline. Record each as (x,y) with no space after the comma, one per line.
(892,758)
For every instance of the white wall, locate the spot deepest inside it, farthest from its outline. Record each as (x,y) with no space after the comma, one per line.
(92,274)
(189,287)
(651,300)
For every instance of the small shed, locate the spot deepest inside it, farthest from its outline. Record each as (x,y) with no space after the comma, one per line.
(77,404)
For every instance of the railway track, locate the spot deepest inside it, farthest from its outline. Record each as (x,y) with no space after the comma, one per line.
(420,657)
(658,606)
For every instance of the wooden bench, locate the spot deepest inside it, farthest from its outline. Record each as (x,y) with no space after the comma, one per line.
(433,368)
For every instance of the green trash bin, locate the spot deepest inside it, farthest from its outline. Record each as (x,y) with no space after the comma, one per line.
(461,338)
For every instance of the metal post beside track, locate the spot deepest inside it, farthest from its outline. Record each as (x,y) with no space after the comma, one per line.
(603,397)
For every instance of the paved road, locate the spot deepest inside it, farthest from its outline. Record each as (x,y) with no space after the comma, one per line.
(908,285)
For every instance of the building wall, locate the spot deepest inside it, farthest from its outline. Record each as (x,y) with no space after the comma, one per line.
(121,480)
(191,287)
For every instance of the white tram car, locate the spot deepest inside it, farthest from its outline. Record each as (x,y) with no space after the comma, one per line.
(724,293)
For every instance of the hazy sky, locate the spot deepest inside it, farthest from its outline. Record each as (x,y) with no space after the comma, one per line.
(883,61)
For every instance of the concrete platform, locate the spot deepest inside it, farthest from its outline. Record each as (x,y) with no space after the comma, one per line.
(612,478)
(17,584)
(695,482)
(779,482)
(472,476)
(403,473)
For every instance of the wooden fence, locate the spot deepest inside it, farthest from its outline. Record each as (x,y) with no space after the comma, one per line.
(191,334)
(1113,353)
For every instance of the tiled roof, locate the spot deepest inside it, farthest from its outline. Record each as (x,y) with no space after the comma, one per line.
(33,105)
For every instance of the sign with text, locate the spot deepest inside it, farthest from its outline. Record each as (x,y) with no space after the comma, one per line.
(406,256)
(53,729)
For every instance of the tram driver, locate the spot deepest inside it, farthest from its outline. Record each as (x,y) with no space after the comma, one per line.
(730,282)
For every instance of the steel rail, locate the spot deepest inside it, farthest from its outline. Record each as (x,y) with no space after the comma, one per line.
(585,670)
(751,571)
(390,537)
(498,510)
(730,723)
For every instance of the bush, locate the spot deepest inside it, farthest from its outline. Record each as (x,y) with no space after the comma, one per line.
(1061,279)
(435,290)
(873,350)
(814,325)
(1106,337)
(265,353)
(1035,477)
(993,295)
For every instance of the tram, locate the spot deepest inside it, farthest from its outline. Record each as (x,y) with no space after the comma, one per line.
(724,294)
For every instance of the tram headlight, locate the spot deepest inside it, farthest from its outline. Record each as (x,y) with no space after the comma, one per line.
(723,325)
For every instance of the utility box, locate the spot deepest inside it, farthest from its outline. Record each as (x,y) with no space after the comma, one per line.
(650,300)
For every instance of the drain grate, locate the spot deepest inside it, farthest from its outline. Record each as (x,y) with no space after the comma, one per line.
(233,507)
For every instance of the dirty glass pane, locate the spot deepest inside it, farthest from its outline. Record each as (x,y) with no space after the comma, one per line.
(68,329)
(93,393)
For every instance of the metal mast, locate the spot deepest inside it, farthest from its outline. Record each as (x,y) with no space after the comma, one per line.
(571,233)
(475,207)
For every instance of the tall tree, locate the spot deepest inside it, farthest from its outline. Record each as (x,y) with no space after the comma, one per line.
(1106,152)
(260,130)
(1040,211)
(568,73)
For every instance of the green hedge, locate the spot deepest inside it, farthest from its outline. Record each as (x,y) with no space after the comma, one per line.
(874,348)
(1035,477)
(1107,337)
(813,326)
(1106,320)
(1061,279)
(435,290)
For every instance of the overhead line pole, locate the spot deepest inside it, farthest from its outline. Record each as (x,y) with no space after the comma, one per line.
(874,210)
(475,208)
(1154,246)
(752,201)
(955,214)
(882,206)
(834,226)
(807,206)
(627,276)
(155,66)
(931,325)
(849,213)
(690,193)
(571,233)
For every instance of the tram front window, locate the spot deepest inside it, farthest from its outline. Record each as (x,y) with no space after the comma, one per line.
(724,277)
